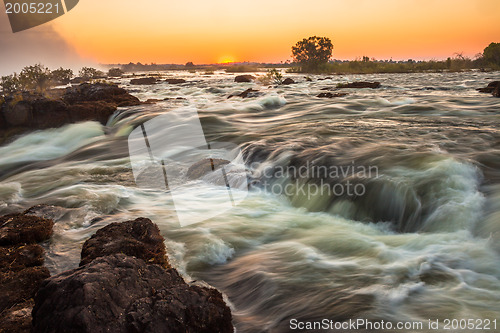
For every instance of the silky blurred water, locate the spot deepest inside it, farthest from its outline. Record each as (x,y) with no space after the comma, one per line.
(421,243)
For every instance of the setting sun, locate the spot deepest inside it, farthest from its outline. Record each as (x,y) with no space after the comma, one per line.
(226,60)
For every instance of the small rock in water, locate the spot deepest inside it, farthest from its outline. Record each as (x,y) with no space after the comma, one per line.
(143,81)
(288,81)
(359,84)
(175,81)
(491,88)
(330,95)
(247,93)
(244,78)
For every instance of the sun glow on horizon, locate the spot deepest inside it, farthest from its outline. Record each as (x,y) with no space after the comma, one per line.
(226,60)
(201,32)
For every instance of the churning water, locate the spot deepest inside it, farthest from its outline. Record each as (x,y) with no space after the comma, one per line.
(420,242)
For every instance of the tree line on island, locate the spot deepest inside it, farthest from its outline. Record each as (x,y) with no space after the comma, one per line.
(310,55)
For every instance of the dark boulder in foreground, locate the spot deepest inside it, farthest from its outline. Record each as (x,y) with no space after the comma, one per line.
(120,288)
(330,95)
(175,81)
(201,168)
(139,238)
(359,84)
(143,81)
(492,88)
(244,78)
(288,81)
(21,270)
(28,111)
(118,293)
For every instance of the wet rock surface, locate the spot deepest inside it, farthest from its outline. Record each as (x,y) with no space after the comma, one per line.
(288,81)
(115,291)
(21,268)
(139,238)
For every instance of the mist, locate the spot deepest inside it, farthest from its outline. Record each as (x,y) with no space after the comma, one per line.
(41,44)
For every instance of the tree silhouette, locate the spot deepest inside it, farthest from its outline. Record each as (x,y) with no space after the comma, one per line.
(311,52)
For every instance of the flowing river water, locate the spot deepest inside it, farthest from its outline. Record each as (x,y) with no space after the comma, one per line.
(421,242)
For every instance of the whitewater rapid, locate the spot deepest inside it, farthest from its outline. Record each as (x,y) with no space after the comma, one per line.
(421,242)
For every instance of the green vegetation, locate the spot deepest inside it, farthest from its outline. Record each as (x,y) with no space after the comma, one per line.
(61,75)
(34,78)
(491,55)
(312,53)
(115,72)
(89,73)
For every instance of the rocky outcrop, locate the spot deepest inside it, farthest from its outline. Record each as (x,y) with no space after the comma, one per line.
(330,95)
(21,268)
(288,81)
(492,88)
(244,78)
(201,168)
(139,238)
(175,81)
(27,111)
(359,84)
(143,81)
(121,288)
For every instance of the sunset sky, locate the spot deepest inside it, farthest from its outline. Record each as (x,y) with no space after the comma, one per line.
(120,31)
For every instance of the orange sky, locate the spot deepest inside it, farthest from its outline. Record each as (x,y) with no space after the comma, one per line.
(208,31)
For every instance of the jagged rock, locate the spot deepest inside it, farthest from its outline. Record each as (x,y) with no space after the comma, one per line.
(308,79)
(201,168)
(15,258)
(496,92)
(24,229)
(19,286)
(140,238)
(143,81)
(118,293)
(247,93)
(288,81)
(359,84)
(175,81)
(17,318)
(330,95)
(103,92)
(21,271)
(244,78)
(31,111)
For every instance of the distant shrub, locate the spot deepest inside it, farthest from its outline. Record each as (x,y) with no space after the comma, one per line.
(88,73)
(491,54)
(9,84)
(242,69)
(115,72)
(61,75)
(36,77)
